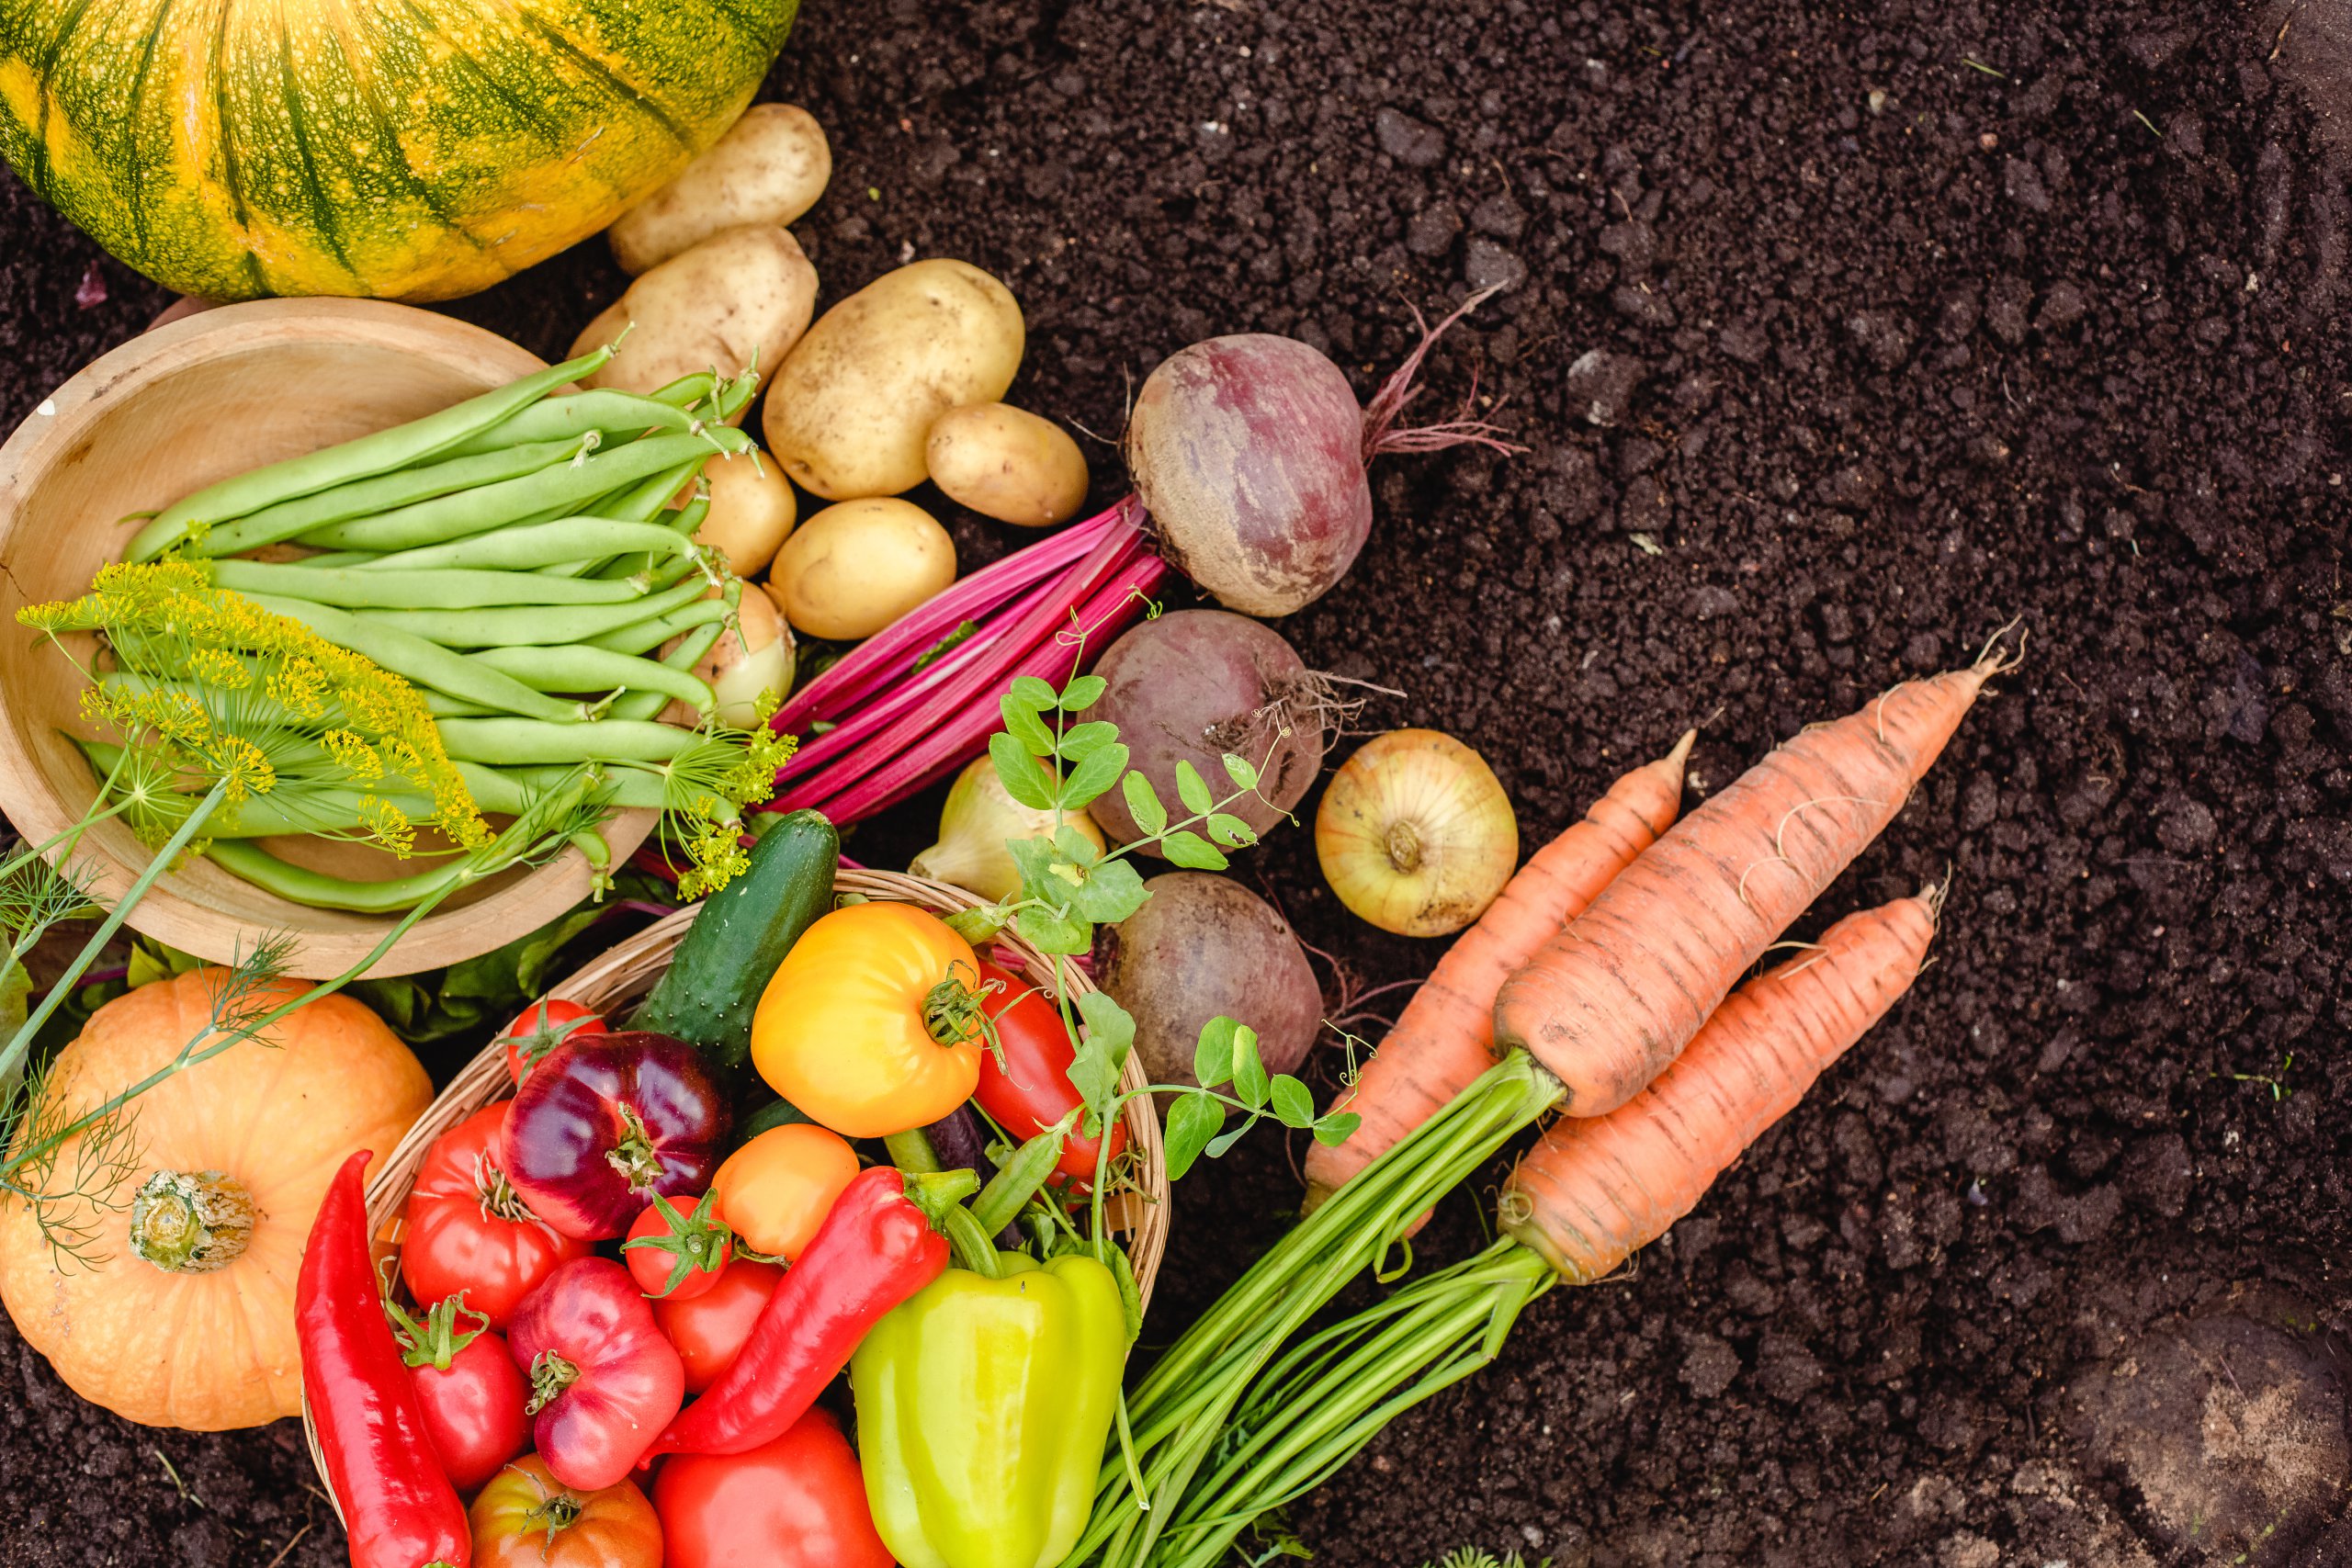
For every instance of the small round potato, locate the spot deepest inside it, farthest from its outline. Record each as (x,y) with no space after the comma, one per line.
(854,568)
(848,411)
(751,511)
(769,168)
(751,658)
(740,297)
(1008,464)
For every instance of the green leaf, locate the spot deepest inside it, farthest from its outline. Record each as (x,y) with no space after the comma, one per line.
(1337,1128)
(1048,931)
(1191,850)
(1113,890)
(1292,1101)
(1075,846)
(1194,1122)
(1095,1072)
(1035,857)
(1191,789)
(1213,1057)
(1243,773)
(1083,691)
(1248,1072)
(1229,830)
(1030,693)
(1093,775)
(1130,1295)
(1231,1136)
(1026,727)
(1083,741)
(1143,803)
(1019,773)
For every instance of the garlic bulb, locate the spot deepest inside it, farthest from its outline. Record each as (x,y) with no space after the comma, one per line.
(1415,833)
(975,824)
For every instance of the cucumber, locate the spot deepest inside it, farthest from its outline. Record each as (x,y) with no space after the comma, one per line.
(706,996)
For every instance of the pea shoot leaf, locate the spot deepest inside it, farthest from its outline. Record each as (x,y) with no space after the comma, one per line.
(1337,1128)
(1113,890)
(1051,930)
(1083,691)
(1293,1101)
(1019,773)
(1030,693)
(1083,741)
(1143,802)
(1192,852)
(1193,789)
(1075,847)
(1231,1136)
(1213,1056)
(1230,831)
(1095,1072)
(1243,773)
(1248,1072)
(1023,725)
(1095,773)
(1193,1123)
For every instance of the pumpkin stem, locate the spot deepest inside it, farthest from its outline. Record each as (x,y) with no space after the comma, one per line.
(190,1221)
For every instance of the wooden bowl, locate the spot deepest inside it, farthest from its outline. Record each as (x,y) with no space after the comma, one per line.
(619,975)
(178,408)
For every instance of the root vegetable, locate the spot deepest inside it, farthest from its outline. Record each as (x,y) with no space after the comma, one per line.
(976,826)
(1415,833)
(768,169)
(858,564)
(752,656)
(739,299)
(752,511)
(1006,463)
(1611,1000)
(849,409)
(1203,946)
(1195,684)
(1446,1037)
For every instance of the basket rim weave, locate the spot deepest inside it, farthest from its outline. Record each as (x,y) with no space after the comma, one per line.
(629,968)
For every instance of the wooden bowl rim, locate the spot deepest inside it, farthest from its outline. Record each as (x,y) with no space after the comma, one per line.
(329,941)
(629,967)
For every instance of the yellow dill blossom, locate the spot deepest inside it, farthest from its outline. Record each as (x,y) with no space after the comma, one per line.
(388,825)
(218,667)
(354,755)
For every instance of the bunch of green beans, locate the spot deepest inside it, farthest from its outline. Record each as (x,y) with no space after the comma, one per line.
(517,560)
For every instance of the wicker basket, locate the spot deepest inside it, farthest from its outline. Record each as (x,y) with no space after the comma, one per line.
(625,972)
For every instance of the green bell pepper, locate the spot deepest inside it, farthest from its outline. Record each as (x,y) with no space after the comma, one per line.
(983,1406)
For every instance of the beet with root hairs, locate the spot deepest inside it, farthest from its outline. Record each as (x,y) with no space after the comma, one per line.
(1202,946)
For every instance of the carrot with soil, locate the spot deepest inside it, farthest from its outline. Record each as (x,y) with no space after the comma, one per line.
(1445,1036)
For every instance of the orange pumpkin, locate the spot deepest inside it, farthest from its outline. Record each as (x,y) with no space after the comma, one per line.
(189,1319)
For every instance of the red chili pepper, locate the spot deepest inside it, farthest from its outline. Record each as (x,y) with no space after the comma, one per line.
(875,1249)
(399,1507)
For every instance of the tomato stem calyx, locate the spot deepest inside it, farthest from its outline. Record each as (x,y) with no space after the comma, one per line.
(634,1156)
(955,1011)
(551,1375)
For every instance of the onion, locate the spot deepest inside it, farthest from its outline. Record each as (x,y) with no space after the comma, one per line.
(1415,833)
(1201,946)
(974,828)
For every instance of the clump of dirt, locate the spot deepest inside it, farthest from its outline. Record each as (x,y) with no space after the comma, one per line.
(1837,338)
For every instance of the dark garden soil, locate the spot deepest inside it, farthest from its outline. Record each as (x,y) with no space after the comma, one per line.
(1838,336)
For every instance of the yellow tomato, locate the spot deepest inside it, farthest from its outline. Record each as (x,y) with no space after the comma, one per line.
(777,1190)
(872,1025)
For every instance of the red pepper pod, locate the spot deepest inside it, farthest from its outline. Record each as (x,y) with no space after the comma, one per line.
(875,1249)
(398,1506)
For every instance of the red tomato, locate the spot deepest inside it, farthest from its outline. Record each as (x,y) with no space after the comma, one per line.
(676,1251)
(542,1027)
(797,1503)
(472,1395)
(468,1230)
(708,1330)
(527,1518)
(1032,1090)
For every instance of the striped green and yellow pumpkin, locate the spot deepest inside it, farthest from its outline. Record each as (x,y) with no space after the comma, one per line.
(410,149)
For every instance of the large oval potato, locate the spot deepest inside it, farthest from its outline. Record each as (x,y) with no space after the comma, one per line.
(848,411)
(1008,464)
(769,168)
(858,564)
(740,297)
(751,511)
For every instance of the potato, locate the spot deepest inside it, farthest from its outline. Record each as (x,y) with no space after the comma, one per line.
(848,411)
(855,566)
(739,297)
(751,511)
(752,656)
(1008,464)
(768,169)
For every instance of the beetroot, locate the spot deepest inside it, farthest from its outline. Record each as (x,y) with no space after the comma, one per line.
(1200,946)
(1195,684)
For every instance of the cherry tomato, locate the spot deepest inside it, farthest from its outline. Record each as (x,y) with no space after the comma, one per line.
(799,1502)
(527,1518)
(470,1390)
(467,1230)
(543,1027)
(1032,1090)
(676,1251)
(708,1330)
(777,1190)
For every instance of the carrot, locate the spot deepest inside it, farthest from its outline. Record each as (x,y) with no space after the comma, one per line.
(1446,1037)
(1596,1190)
(1614,997)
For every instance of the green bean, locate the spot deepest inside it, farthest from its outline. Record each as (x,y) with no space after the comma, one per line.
(560,488)
(383,494)
(681,526)
(379,453)
(532,627)
(630,786)
(611,413)
(424,661)
(530,741)
(688,389)
(644,702)
(454,589)
(642,636)
(522,549)
(301,884)
(583,668)
(332,559)
(500,793)
(440,705)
